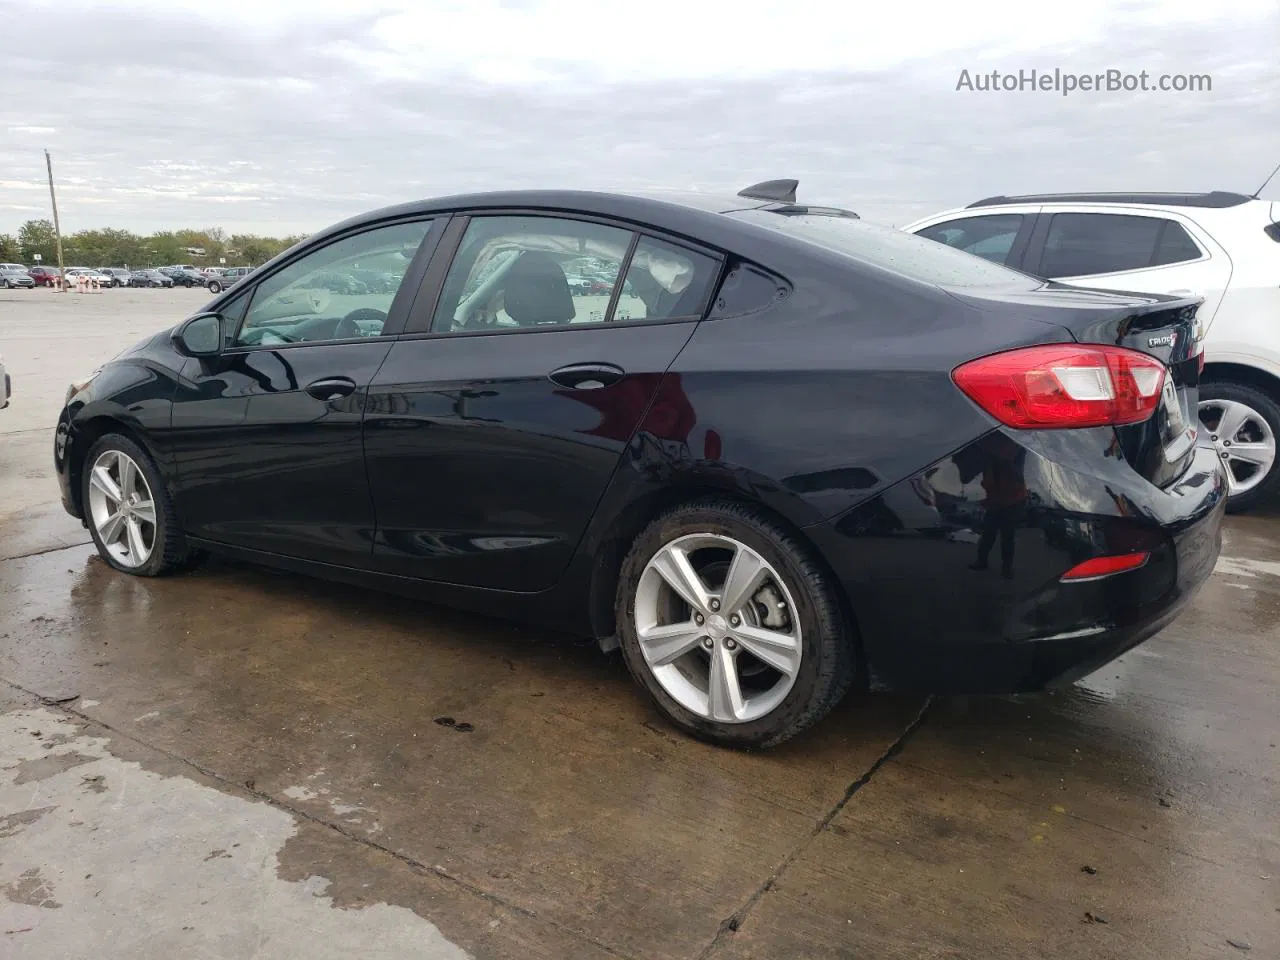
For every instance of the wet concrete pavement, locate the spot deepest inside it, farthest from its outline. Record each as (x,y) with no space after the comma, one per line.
(237,762)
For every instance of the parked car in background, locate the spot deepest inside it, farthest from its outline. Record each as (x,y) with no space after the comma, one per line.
(15,275)
(182,277)
(44,276)
(752,558)
(119,274)
(229,277)
(1223,247)
(149,278)
(74,275)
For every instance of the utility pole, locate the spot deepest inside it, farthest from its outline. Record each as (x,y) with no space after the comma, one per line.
(57,229)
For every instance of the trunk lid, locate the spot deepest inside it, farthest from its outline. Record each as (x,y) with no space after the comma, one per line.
(1163,327)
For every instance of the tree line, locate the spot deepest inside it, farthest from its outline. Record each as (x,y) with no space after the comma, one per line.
(120,248)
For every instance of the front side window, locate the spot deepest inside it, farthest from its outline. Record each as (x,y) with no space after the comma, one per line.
(341,291)
(1085,244)
(990,237)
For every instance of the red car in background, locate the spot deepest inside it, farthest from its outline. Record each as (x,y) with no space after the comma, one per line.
(44,276)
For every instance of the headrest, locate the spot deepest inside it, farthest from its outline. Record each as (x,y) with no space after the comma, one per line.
(536,291)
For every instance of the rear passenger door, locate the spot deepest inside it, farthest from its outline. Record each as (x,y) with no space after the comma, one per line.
(1130,250)
(533,353)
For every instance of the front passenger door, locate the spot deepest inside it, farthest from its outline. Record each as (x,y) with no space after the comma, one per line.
(268,434)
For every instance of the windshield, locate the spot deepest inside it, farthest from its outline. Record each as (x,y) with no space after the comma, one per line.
(903,253)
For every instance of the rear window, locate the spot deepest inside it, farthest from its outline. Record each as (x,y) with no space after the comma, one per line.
(904,253)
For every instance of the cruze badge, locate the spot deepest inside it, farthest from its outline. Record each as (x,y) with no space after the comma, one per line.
(1168,340)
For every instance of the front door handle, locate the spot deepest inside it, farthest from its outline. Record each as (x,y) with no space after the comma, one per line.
(331,388)
(587,376)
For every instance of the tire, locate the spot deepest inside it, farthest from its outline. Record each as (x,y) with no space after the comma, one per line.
(1264,414)
(827,658)
(169,551)
(215,287)
(5,284)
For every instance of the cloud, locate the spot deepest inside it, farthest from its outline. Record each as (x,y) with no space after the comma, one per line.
(290,117)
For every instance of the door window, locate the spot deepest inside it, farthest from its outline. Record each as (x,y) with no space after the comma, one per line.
(518,272)
(1081,244)
(665,281)
(990,237)
(341,291)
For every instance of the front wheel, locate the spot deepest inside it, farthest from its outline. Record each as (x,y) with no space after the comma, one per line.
(1242,423)
(131,518)
(731,626)
(215,287)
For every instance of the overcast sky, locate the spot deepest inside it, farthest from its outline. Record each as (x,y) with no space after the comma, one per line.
(282,116)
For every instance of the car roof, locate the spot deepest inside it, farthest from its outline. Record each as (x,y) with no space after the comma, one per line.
(676,210)
(1215,199)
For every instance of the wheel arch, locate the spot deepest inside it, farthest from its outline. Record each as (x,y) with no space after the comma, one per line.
(87,433)
(1255,377)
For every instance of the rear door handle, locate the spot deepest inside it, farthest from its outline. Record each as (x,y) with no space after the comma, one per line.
(331,388)
(587,376)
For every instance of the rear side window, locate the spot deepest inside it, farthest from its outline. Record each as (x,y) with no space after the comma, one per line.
(903,253)
(665,281)
(1084,244)
(990,237)
(747,288)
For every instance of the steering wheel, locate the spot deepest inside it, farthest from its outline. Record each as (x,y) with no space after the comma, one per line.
(349,326)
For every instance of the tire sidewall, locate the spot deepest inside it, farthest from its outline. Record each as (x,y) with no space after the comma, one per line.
(114,441)
(813,624)
(1269,410)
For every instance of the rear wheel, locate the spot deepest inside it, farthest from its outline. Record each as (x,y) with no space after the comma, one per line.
(730,625)
(1243,423)
(131,518)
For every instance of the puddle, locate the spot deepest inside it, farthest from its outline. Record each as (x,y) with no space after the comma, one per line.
(202,866)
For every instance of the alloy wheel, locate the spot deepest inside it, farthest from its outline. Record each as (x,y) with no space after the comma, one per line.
(1244,441)
(122,508)
(717,627)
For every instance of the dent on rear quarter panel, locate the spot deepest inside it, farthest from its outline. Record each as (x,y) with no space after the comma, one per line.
(839,391)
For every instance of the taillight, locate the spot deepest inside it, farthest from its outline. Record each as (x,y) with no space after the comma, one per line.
(1100,567)
(1064,386)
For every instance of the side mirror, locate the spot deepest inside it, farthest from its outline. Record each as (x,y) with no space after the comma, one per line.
(201,336)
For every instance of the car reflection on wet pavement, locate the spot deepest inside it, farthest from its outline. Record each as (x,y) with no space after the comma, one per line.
(237,760)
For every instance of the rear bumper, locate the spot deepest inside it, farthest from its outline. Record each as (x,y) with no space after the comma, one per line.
(930,622)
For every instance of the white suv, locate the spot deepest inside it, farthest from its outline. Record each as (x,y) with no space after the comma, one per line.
(1224,247)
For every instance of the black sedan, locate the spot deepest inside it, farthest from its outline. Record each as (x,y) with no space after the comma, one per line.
(182,277)
(782,454)
(149,278)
